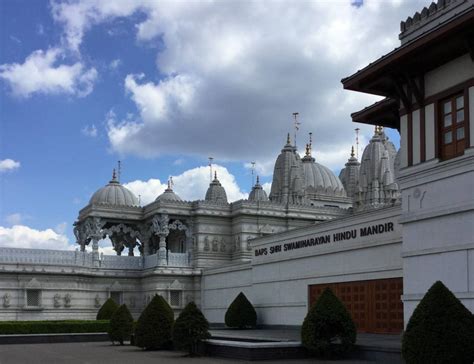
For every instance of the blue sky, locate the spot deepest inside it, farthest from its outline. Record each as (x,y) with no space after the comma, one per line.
(163,85)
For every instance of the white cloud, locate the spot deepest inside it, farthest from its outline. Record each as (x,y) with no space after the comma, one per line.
(114,64)
(14,219)
(61,228)
(8,165)
(90,131)
(41,73)
(267,186)
(20,236)
(235,71)
(190,185)
(147,191)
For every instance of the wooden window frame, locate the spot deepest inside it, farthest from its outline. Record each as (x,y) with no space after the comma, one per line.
(457,146)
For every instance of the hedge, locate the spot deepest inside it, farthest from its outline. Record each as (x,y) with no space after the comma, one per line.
(440,330)
(328,329)
(52,327)
(107,310)
(121,325)
(241,313)
(153,329)
(190,328)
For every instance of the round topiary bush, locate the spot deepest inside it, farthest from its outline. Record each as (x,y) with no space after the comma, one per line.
(440,330)
(121,325)
(328,329)
(190,328)
(241,313)
(153,330)
(107,310)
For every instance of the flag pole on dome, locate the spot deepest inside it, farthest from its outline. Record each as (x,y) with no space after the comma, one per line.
(210,168)
(297,124)
(253,172)
(119,170)
(357,142)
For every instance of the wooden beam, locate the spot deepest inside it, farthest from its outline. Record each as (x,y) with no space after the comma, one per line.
(401,93)
(469,42)
(417,91)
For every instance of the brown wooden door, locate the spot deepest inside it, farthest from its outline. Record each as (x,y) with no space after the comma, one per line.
(375,305)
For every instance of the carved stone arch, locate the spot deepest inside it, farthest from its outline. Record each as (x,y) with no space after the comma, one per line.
(33,284)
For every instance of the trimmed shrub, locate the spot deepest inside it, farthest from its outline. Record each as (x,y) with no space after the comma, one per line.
(121,325)
(190,327)
(107,310)
(153,330)
(169,311)
(52,327)
(241,313)
(440,330)
(328,329)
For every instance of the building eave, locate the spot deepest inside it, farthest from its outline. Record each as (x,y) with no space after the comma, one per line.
(446,42)
(384,112)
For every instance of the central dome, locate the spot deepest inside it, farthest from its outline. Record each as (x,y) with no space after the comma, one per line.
(114,194)
(320,180)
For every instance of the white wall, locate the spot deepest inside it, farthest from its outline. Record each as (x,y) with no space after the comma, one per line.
(448,75)
(277,284)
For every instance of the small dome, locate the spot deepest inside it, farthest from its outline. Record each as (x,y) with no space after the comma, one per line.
(168,195)
(216,192)
(258,193)
(114,194)
(320,179)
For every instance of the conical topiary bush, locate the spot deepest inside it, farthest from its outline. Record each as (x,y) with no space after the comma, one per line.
(328,329)
(190,328)
(121,325)
(241,313)
(153,330)
(440,330)
(107,310)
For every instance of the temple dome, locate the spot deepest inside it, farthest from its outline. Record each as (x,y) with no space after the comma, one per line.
(377,179)
(288,176)
(114,194)
(168,195)
(258,193)
(216,192)
(320,179)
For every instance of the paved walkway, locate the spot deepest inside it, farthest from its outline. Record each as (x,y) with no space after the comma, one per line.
(102,353)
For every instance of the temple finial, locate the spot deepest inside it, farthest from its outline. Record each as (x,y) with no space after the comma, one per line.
(288,141)
(258,180)
(215,174)
(376,131)
(114,176)
(352,151)
(308,150)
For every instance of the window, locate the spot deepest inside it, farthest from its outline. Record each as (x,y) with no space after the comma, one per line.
(175,298)
(452,126)
(33,298)
(116,296)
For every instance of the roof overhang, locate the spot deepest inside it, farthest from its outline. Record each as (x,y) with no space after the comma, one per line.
(384,113)
(442,44)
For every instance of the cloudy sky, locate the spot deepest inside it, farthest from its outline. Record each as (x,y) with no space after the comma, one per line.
(163,85)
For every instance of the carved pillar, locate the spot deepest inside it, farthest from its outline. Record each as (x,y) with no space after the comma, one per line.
(95,252)
(160,227)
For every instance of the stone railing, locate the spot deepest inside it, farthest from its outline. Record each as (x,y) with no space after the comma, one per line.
(43,256)
(120,262)
(172,260)
(84,259)
(178,259)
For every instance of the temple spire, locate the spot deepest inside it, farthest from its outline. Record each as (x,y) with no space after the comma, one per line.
(352,151)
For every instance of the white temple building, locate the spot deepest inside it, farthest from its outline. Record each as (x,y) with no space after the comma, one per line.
(379,235)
